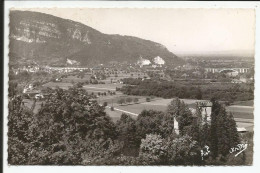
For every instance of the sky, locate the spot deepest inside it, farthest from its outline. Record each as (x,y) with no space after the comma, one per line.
(182,31)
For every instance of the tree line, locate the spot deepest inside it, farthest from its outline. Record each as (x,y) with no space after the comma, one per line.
(168,89)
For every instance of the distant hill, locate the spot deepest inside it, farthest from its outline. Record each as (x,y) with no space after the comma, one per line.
(51,40)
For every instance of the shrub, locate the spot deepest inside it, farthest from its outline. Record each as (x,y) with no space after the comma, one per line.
(129,99)
(121,101)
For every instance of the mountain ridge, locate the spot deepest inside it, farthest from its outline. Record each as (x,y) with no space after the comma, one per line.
(51,40)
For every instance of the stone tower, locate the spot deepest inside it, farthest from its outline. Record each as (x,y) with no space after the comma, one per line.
(205,108)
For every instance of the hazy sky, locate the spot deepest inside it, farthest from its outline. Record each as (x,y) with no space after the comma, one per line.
(180,30)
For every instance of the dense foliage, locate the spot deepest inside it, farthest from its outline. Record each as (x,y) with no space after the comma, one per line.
(63,130)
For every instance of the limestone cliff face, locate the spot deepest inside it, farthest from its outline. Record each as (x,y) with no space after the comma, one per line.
(34,31)
(31,30)
(51,40)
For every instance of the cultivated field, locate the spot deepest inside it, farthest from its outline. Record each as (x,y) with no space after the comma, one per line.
(242,114)
(244,103)
(138,108)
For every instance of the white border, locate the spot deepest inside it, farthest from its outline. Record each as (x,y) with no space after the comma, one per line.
(131,4)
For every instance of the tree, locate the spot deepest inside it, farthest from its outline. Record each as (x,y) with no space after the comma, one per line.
(183,151)
(232,130)
(94,81)
(167,126)
(199,130)
(199,94)
(13,89)
(181,112)
(105,104)
(155,150)
(205,135)
(102,153)
(121,101)
(112,108)
(213,128)
(79,84)
(149,122)
(19,122)
(129,99)
(126,129)
(148,99)
(24,76)
(152,150)
(223,131)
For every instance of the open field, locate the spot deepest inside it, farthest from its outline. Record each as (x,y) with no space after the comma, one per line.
(244,103)
(156,104)
(245,125)
(138,108)
(241,111)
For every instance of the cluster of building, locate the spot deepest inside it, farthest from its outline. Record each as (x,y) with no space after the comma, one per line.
(29,68)
(228,71)
(31,91)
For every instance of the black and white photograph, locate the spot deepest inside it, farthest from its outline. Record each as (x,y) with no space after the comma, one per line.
(131,86)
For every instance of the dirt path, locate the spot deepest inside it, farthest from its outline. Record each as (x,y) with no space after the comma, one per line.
(131,113)
(99,88)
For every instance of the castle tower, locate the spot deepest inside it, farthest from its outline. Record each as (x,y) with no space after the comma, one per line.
(205,110)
